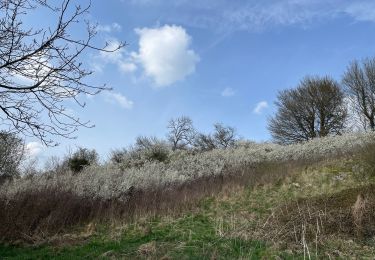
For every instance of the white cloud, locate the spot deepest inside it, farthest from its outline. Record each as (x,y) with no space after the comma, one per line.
(108,28)
(119,99)
(260,107)
(165,55)
(228,92)
(33,149)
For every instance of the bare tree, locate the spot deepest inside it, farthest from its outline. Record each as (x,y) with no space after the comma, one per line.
(223,137)
(314,109)
(181,132)
(11,154)
(204,142)
(359,82)
(40,68)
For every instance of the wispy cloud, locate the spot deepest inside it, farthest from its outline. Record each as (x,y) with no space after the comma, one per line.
(121,58)
(113,56)
(254,15)
(260,107)
(127,67)
(362,10)
(119,99)
(109,28)
(228,92)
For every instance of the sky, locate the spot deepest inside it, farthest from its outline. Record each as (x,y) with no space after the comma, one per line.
(212,60)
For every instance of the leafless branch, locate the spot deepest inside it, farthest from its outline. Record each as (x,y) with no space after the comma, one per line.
(40,69)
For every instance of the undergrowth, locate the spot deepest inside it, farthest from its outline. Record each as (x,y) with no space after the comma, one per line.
(320,210)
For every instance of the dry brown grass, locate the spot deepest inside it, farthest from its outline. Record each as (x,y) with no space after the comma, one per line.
(38,215)
(368,157)
(350,213)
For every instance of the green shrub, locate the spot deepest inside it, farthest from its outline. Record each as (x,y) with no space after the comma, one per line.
(81,158)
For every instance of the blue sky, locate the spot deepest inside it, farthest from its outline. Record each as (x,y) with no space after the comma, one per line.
(214,60)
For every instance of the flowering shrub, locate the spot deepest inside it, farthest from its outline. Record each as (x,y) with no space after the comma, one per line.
(111,181)
(11,155)
(146,150)
(46,204)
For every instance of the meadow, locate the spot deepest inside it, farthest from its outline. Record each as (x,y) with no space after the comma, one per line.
(256,200)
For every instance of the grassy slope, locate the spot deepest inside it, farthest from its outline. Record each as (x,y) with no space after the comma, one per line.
(228,226)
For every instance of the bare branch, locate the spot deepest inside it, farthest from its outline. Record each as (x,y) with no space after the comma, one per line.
(359,82)
(181,132)
(40,69)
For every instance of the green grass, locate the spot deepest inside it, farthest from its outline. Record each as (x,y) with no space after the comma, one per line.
(189,237)
(227,226)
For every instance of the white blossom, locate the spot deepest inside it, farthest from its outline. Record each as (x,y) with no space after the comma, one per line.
(109,181)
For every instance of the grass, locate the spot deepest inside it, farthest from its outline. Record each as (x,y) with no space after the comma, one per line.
(190,237)
(238,223)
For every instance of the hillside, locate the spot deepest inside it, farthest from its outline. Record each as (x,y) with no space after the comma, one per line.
(312,200)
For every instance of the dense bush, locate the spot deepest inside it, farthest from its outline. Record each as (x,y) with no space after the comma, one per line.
(159,152)
(81,158)
(118,156)
(145,150)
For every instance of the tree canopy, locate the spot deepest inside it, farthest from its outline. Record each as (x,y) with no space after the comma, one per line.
(315,108)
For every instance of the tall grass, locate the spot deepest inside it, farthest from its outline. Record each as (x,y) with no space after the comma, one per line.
(50,203)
